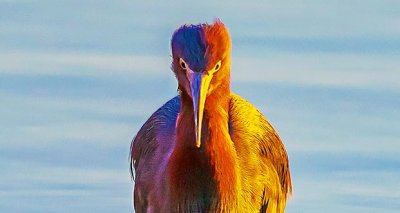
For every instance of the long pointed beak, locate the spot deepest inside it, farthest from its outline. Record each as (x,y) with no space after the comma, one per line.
(199,84)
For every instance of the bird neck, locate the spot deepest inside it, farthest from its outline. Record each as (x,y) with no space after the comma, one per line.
(220,149)
(210,173)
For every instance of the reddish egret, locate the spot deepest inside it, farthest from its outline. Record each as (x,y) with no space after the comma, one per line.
(208,149)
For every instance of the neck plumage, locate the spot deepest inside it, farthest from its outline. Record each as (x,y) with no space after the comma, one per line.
(204,178)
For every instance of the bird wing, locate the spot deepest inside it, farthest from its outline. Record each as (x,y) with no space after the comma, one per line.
(151,144)
(262,155)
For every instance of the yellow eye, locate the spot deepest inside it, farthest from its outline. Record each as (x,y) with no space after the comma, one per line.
(183,64)
(217,66)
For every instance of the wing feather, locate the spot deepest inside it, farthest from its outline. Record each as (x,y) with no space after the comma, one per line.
(254,136)
(152,143)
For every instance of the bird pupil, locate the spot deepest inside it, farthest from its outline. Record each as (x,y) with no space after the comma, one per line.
(183,65)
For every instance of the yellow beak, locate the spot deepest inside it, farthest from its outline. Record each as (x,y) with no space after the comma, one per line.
(199,83)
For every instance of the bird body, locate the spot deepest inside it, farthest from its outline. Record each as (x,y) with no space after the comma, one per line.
(208,150)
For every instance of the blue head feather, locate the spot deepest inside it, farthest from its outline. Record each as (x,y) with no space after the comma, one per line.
(189,43)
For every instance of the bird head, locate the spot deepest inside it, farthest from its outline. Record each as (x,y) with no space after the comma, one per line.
(201,63)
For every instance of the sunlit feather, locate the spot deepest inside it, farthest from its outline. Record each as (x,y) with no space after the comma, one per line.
(238,163)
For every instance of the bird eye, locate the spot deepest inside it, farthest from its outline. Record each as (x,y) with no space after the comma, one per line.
(217,66)
(182,63)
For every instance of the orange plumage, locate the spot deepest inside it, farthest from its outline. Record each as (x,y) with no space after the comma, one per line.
(208,150)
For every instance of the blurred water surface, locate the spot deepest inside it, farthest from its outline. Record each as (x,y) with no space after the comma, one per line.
(79,78)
